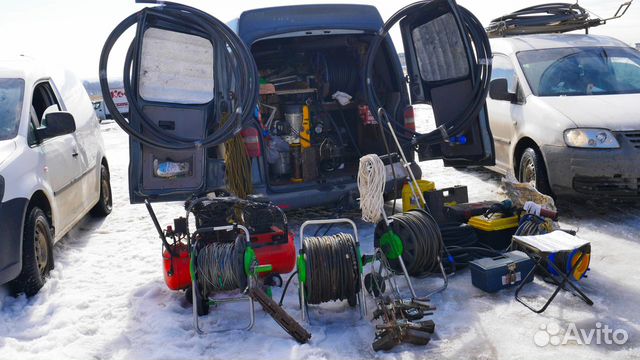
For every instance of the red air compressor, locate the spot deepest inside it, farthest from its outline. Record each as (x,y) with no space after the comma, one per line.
(270,237)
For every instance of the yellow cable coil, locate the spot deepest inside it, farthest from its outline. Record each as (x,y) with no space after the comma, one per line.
(238,166)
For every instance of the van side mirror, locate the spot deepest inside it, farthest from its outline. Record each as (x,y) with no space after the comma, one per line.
(56,124)
(499,90)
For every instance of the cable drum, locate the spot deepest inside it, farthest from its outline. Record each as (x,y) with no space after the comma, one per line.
(332,269)
(220,266)
(421,239)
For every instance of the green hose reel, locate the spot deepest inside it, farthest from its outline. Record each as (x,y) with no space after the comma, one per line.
(391,244)
(302,269)
(251,264)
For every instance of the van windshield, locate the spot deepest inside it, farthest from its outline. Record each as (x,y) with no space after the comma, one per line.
(11,95)
(581,71)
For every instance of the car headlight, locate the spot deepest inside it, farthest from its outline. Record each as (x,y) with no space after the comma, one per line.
(591,138)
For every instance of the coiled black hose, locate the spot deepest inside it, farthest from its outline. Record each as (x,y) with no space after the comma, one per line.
(236,75)
(540,19)
(480,69)
(332,269)
(462,246)
(422,242)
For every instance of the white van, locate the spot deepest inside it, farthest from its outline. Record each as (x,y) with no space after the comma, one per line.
(564,113)
(53,168)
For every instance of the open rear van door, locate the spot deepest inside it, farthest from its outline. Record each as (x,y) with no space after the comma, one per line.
(191,84)
(448,59)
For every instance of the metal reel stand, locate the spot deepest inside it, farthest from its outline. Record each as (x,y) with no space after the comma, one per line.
(418,196)
(301,247)
(395,253)
(244,295)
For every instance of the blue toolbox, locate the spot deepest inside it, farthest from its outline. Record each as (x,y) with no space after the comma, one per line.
(496,273)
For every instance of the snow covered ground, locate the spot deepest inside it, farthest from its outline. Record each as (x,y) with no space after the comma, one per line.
(106,298)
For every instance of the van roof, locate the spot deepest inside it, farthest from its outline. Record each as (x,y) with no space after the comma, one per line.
(514,44)
(258,24)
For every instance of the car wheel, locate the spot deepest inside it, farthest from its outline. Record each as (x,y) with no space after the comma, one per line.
(37,255)
(532,170)
(105,204)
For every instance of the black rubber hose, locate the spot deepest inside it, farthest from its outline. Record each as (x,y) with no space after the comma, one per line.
(240,80)
(286,286)
(332,269)
(545,18)
(480,65)
(421,239)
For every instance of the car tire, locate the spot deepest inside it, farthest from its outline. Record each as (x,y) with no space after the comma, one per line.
(105,203)
(37,254)
(531,169)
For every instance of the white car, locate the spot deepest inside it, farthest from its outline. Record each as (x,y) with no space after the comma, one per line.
(53,168)
(565,115)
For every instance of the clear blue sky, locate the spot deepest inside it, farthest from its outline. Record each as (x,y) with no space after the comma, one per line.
(72,32)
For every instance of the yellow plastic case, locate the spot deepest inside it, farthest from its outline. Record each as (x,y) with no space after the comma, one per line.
(408,202)
(495,231)
(494,223)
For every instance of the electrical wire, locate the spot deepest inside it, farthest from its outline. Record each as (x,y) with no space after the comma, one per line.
(220,266)
(541,19)
(236,77)
(332,269)
(286,286)
(371,184)
(462,246)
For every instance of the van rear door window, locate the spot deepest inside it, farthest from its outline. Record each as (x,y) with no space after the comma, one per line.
(440,50)
(176,67)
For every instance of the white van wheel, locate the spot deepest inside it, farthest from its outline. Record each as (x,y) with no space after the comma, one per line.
(37,254)
(105,203)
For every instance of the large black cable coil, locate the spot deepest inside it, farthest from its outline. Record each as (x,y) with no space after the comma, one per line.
(421,239)
(332,271)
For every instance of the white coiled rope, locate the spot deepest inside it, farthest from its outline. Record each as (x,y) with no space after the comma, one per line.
(371,183)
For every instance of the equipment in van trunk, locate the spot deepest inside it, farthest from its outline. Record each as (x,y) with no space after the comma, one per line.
(319,54)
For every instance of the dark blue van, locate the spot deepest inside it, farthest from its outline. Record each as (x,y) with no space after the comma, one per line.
(315,119)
